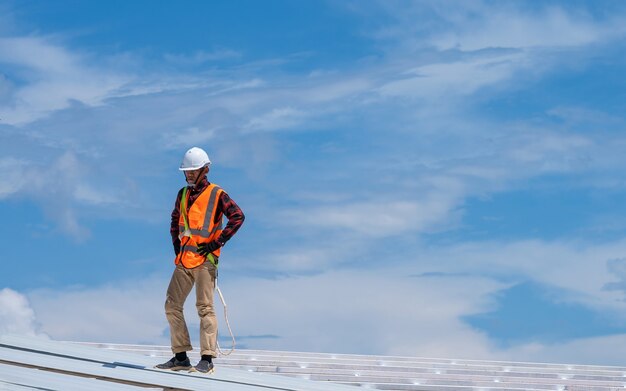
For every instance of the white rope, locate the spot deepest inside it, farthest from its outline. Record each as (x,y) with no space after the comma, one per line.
(227,323)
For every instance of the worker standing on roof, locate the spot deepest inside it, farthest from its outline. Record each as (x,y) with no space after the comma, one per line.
(198,237)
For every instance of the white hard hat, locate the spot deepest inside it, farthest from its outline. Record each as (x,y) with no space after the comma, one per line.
(194,159)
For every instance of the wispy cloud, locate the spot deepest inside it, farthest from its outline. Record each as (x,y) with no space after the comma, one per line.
(477,25)
(190,136)
(515,25)
(11,176)
(577,267)
(276,119)
(60,187)
(374,218)
(451,79)
(137,117)
(51,77)
(201,57)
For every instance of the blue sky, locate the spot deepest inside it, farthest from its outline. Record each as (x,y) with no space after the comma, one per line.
(435,178)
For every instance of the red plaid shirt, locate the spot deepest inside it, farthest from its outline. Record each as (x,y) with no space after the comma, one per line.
(226,205)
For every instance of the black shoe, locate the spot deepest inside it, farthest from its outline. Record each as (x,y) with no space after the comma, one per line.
(204,366)
(175,365)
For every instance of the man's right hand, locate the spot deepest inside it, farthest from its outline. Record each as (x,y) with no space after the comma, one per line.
(207,248)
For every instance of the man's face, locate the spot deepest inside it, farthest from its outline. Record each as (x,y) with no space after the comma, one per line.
(193,176)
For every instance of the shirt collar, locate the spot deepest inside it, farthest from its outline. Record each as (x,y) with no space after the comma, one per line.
(199,188)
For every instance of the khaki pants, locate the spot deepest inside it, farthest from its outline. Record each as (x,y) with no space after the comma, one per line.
(180,286)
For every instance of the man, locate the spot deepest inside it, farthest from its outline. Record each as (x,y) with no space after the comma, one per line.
(197,236)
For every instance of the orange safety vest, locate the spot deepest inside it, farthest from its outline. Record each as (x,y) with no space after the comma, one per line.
(197,225)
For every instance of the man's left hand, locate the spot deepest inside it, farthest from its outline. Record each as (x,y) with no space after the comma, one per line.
(207,248)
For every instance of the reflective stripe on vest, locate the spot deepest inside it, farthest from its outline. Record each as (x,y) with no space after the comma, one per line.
(197,225)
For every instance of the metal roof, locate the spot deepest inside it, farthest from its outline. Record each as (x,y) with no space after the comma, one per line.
(49,365)
(412,373)
(28,363)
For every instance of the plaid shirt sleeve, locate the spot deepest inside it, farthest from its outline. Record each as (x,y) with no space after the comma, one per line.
(174,225)
(233,213)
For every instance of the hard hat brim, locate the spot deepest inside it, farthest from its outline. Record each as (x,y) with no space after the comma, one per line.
(193,168)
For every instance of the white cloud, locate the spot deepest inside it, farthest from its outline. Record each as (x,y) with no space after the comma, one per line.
(351,311)
(537,149)
(329,90)
(16,314)
(371,309)
(411,197)
(11,176)
(582,115)
(54,77)
(190,136)
(29,52)
(427,207)
(366,311)
(88,195)
(6,90)
(61,187)
(605,350)
(216,110)
(126,312)
(477,25)
(201,57)
(578,268)
(458,78)
(62,180)
(302,259)
(498,26)
(276,119)
(582,272)
(481,44)
(376,218)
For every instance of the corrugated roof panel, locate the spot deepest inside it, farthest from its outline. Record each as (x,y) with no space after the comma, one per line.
(415,373)
(13,387)
(138,369)
(30,378)
(238,372)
